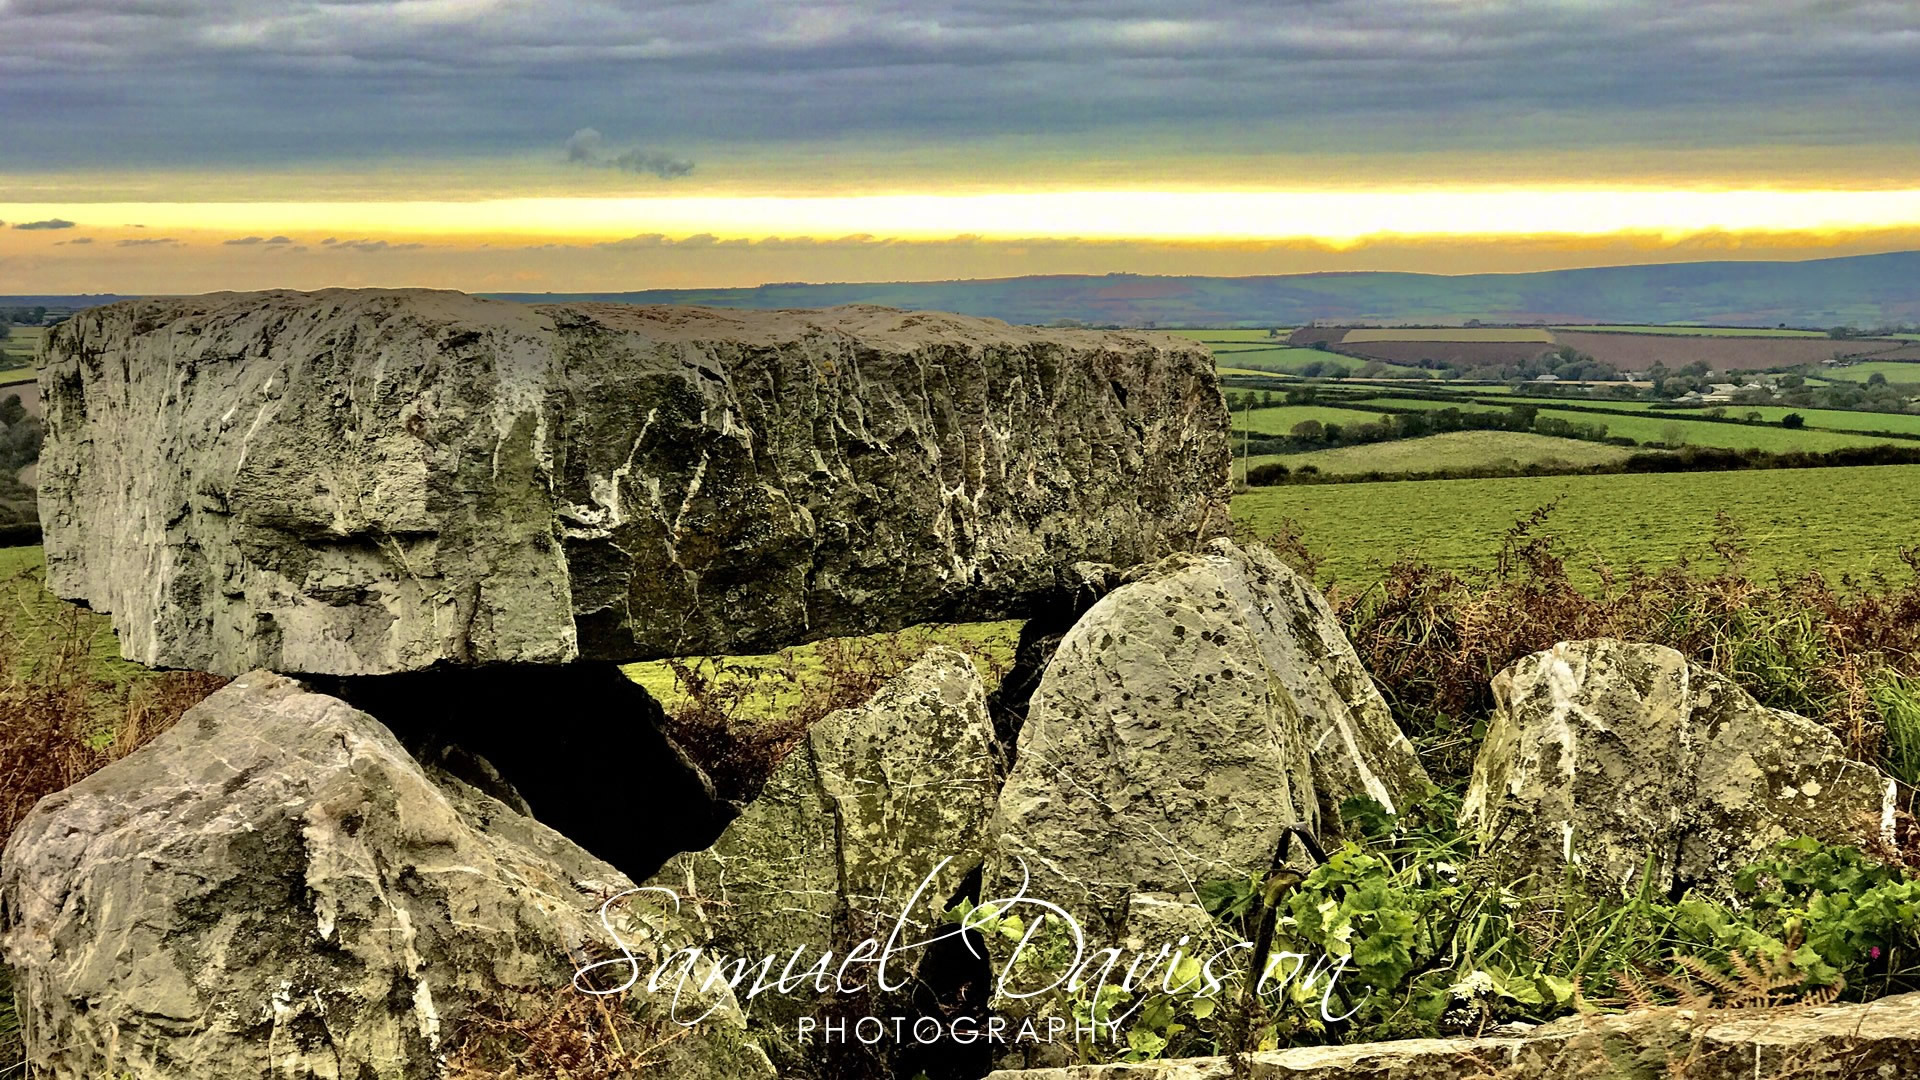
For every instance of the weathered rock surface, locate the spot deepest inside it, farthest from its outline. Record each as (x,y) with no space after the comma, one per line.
(1879,1039)
(275,888)
(1185,721)
(364,482)
(1606,754)
(874,802)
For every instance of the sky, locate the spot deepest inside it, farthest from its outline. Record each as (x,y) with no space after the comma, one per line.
(505,145)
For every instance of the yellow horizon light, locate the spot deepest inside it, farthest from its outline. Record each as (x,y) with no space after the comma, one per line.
(1334,217)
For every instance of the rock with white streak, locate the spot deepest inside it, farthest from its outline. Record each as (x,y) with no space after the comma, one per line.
(273,887)
(1621,759)
(366,482)
(1183,724)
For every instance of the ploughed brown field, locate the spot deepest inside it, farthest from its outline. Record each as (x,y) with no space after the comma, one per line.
(1461,353)
(1623,351)
(1638,352)
(29,395)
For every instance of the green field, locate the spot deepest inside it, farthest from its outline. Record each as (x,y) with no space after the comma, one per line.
(1280,419)
(1665,428)
(1832,520)
(1830,419)
(1697,331)
(1233,337)
(11,376)
(1896,371)
(1452,450)
(1448,334)
(18,349)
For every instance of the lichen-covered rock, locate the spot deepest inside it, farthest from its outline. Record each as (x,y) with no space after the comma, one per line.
(1618,757)
(874,803)
(1833,1042)
(1184,722)
(273,887)
(365,482)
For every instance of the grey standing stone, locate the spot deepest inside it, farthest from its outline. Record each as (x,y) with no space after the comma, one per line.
(1184,722)
(1621,759)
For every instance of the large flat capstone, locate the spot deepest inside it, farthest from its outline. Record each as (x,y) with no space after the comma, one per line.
(364,481)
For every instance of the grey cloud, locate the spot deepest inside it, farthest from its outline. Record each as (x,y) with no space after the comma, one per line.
(148,241)
(371,245)
(50,223)
(77,240)
(583,147)
(129,81)
(244,241)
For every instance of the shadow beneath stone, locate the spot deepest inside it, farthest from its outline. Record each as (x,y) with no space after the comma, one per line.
(580,747)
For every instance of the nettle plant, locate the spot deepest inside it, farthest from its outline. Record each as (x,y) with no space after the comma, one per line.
(1399,934)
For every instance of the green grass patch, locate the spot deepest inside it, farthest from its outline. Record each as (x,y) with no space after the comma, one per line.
(1677,428)
(1280,419)
(1896,371)
(1452,450)
(1225,337)
(1835,521)
(778,681)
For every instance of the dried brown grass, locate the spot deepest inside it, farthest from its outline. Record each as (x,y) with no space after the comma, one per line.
(1828,650)
(65,714)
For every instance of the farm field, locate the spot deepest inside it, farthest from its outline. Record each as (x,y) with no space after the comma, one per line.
(18,349)
(1640,351)
(1212,337)
(1851,520)
(1834,419)
(1288,360)
(1448,334)
(1280,419)
(1896,371)
(13,376)
(1664,428)
(1698,331)
(1451,450)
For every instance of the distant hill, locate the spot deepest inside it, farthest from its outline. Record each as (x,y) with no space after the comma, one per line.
(1860,290)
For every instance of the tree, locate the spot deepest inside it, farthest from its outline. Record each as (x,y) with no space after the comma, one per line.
(1308,429)
(1877,379)
(1793,420)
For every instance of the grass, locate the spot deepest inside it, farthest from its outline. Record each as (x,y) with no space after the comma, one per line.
(1280,419)
(1233,337)
(1897,371)
(1452,450)
(15,376)
(19,348)
(780,678)
(1835,521)
(1447,334)
(1648,427)
(1698,331)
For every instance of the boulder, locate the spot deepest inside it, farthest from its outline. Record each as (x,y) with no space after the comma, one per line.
(1622,758)
(273,887)
(1185,721)
(1833,1042)
(877,818)
(366,482)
